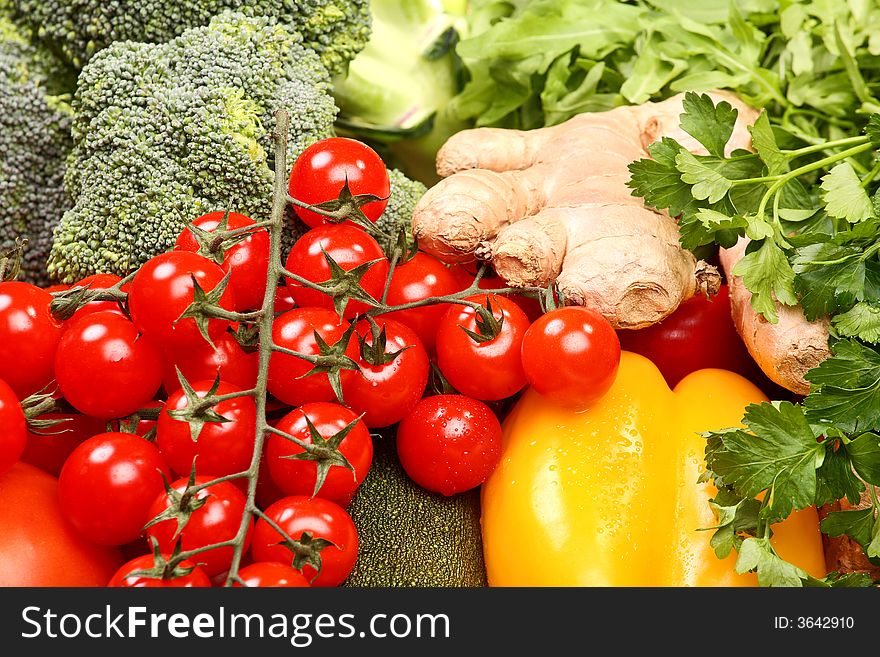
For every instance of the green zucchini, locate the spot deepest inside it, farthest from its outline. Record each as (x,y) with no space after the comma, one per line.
(409,537)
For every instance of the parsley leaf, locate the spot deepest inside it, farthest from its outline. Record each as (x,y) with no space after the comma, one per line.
(831,277)
(858,525)
(659,182)
(778,454)
(764,142)
(864,452)
(836,478)
(735,515)
(844,196)
(757,554)
(767,273)
(710,124)
(862,321)
(846,389)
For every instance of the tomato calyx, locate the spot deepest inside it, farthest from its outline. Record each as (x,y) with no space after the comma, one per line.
(11,260)
(323,451)
(213,244)
(374,352)
(306,551)
(181,506)
(346,207)
(39,404)
(248,337)
(65,303)
(488,326)
(330,360)
(164,569)
(199,409)
(345,285)
(206,306)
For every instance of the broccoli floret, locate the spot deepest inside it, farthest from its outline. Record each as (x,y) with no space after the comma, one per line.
(164,133)
(34,142)
(405,193)
(337,29)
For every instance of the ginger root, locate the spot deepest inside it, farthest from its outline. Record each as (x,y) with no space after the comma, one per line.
(553,205)
(785,351)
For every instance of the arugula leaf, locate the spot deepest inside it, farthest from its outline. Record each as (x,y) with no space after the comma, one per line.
(844,196)
(858,525)
(862,321)
(708,123)
(767,273)
(846,389)
(778,454)
(757,554)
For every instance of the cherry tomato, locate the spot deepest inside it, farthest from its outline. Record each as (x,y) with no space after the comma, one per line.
(305,519)
(218,519)
(98,282)
(163,289)
(221,448)
(248,260)
(487,370)
(124,578)
(283,299)
(299,477)
(321,171)
(29,336)
(38,547)
(13,428)
(700,334)
(384,393)
(48,448)
(420,278)
(104,368)
(266,574)
(449,443)
(226,358)
(349,247)
(570,355)
(465,274)
(107,485)
(295,330)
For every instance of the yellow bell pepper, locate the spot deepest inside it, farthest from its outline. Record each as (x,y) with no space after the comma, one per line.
(608,497)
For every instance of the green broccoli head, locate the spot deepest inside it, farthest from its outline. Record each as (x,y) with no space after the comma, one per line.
(337,29)
(34,143)
(405,193)
(164,133)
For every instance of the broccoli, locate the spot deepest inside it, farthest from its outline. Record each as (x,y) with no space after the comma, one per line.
(405,193)
(337,29)
(34,142)
(164,133)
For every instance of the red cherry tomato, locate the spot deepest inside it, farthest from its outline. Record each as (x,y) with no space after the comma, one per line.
(349,247)
(29,336)
(305,519)
(266,574)
(98,282)
(226,358)
(415,280)
(218,519)
(124,577)
(449,443)
(13,428)
(107,485)
(49,448)
(321,171)
(384,393)
(487,370)
(299,477)
(295,330)
(465,274)
(571,355)
(699,334)
(104,368)
(248,260)
(163,289)
(221,448)
(283,299)
(38,547)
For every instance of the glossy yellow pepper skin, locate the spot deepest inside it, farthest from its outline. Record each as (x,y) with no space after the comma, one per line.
(608,497)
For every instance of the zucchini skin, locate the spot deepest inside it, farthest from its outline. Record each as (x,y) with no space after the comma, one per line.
(410,537)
